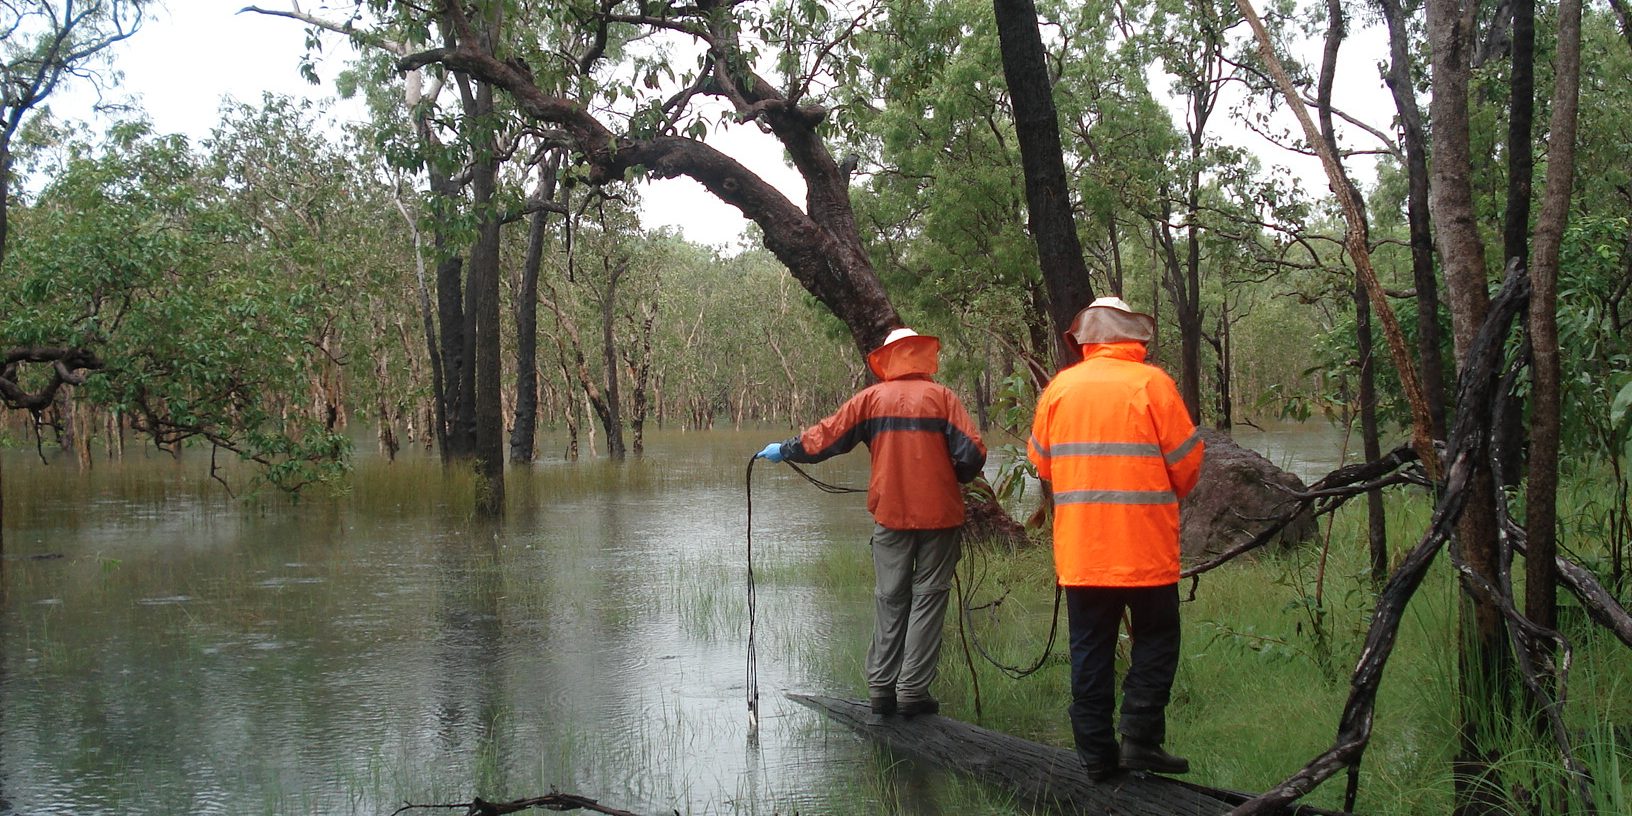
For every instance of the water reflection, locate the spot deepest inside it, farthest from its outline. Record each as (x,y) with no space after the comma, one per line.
(191,653)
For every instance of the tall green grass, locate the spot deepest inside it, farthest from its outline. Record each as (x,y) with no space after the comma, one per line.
(1260,687)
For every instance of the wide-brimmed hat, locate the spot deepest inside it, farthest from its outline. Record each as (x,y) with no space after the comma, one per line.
(1111,320)
(905,351)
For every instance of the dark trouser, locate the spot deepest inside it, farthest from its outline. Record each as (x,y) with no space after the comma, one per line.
(1095,614)
(913,570)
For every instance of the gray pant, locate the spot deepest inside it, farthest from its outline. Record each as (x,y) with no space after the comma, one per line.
(914,571)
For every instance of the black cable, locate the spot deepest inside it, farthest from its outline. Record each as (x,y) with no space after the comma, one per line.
(752,678)
(821,485)
(1014,672)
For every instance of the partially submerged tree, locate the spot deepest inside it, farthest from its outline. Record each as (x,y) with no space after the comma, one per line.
(42,44)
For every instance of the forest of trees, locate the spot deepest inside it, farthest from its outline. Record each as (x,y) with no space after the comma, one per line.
(469,264)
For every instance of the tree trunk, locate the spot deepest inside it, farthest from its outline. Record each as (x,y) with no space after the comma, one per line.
(612,414)
(640,370)
(1048,198)
(1187,295)
(1520,174)
(439,397)
(1377,533)
(523,435)
(1520,120)
(1541,501)
(1482,657)
(450,299)
(483,286)
(1402,84)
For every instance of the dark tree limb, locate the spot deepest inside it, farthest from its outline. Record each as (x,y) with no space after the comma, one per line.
(66,366)
(1466,444)
(820,245)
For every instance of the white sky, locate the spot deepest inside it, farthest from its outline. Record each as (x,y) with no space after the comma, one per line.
(194,53)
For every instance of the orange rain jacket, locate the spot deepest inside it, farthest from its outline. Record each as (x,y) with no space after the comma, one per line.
(1113,438)
(920,436)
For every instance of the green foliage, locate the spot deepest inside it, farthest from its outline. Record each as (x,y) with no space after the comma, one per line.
(136,251)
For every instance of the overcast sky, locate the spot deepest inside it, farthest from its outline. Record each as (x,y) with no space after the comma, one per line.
(195,53)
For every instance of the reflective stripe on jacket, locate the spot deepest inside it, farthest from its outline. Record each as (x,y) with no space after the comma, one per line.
(922,443)
(1115,442)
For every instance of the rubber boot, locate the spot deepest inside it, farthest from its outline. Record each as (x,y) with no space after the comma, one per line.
(1139,756)
(1099,767)
(879,708)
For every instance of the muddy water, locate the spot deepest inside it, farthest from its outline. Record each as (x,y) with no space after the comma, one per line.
(169,649)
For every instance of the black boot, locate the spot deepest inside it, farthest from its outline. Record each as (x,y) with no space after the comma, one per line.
(1139,756)
(926,705)
(1100,767)
(881,707)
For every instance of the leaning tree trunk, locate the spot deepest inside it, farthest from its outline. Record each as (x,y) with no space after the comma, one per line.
(1048,197)
(819,244)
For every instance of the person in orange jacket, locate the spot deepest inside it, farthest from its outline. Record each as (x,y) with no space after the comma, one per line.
(923,446)
(1116,450)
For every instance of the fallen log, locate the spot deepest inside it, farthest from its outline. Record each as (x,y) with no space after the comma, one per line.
(556,801)
(1041,775)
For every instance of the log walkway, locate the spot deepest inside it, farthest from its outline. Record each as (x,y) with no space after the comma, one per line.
(1037,773)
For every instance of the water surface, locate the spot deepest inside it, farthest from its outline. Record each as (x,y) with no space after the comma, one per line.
(169,649)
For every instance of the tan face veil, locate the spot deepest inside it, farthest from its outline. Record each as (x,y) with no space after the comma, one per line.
(1110,320)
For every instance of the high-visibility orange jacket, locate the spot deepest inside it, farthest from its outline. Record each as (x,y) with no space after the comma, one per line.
(920,436)
(1113,439)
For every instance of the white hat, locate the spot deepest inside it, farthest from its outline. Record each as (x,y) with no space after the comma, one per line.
(898,334)
(899,347)
(1112,302)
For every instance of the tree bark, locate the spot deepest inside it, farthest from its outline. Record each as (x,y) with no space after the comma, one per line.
(1042,160)
(523,433)
(1520,119)
(612,417)
(1541,501)
(1520,175)
(1402,84)
(1482,657)
(482,283)
(1625,16)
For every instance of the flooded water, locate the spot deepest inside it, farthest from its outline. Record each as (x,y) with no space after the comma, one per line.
(1309,450)
(169,649)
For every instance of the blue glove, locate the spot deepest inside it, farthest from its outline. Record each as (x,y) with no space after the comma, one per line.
(772,452)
